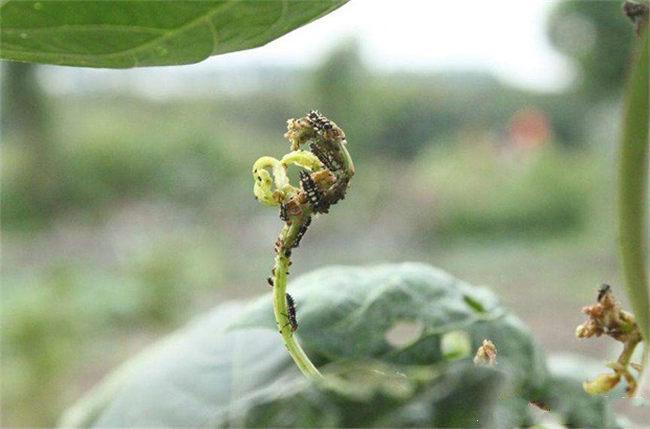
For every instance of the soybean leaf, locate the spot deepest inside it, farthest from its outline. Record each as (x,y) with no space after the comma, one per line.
(230,367)
(135,33)
(197,377)
(347,312)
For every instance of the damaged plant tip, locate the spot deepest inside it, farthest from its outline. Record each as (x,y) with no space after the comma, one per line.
(325,173)
(486,355)
(606,317)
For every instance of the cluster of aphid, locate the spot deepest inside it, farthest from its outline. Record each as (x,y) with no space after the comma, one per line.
(328,150)
(324,179)
(319,121)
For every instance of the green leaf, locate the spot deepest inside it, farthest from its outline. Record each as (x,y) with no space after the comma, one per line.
(368,394)
(348,312)
(230,368)
(135,33)
(196,377)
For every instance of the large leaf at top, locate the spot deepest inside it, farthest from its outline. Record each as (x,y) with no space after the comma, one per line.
(133,33)
(230,368)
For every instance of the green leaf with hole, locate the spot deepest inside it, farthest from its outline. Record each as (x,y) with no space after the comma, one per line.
(230,368)
(137,33)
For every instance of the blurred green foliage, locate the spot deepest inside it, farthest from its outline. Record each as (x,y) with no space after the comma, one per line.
(484,194)
(347,315)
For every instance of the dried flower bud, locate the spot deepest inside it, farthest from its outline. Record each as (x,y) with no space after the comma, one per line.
(588,329)
(486,355)
(607,318)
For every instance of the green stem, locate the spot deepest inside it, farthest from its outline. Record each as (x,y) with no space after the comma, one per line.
(280,309)
(633,189)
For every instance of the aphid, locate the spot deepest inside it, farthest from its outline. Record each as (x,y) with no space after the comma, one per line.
(337,191)
(301,232)
(284,216)
(291,307)
(326,157)
(269,280)
(604,289)
(319,122)
(314,194)
(278,245)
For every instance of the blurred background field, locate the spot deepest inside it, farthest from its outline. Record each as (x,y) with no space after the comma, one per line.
(126,212)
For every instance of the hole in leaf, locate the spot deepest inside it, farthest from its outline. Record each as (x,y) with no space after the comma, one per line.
(456,345)
(404,333)
(474,304)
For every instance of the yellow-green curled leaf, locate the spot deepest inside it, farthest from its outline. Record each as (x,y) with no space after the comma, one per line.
(302,158)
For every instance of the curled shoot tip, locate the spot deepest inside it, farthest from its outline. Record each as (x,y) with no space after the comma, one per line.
(325,173)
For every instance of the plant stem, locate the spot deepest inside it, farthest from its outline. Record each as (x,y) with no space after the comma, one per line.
(332,169)
(280,309)
(633,189)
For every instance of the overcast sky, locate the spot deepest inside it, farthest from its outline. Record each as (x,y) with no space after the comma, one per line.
(506,37)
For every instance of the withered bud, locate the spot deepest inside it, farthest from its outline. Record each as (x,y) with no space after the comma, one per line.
(606,317)
(486,355)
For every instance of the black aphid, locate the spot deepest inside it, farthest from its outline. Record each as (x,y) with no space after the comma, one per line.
(291,307)
(284,216)
(301,232)
(325,156)
(314,194)
(604,289)
(319,122)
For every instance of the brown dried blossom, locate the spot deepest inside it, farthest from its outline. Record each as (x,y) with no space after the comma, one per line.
(486,355)
(606,317)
